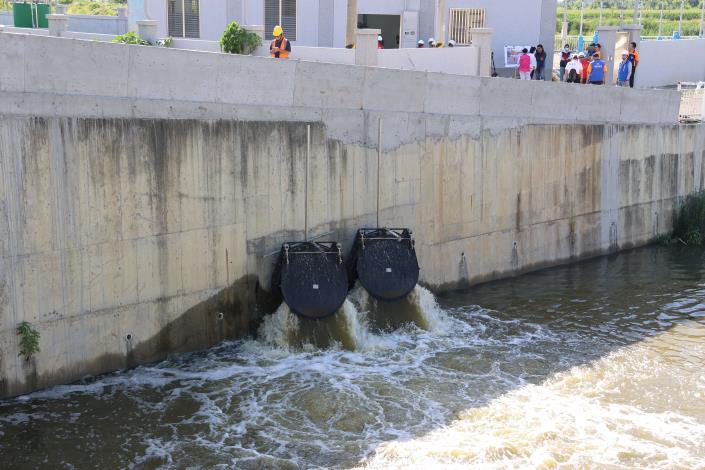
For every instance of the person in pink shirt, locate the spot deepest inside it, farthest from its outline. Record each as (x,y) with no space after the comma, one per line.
(525,65)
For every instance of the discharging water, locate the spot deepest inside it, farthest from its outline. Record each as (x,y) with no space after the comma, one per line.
(601,364)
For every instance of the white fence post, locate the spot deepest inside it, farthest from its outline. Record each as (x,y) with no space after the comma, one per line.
(147,29)
(482,39)
(366,46)
(58,24)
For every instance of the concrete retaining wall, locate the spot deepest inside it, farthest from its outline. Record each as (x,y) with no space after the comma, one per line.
(668,62)
(97,24)
(137,206)
(458,60)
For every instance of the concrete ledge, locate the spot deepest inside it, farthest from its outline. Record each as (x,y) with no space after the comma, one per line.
(329,86)
(394,90)
(38,64)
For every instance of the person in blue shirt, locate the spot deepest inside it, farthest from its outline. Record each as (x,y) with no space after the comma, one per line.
(597,71)
(624,70)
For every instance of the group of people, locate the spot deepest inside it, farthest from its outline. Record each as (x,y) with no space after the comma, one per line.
(589,67)
(532,63)
(582,67)
(432,43)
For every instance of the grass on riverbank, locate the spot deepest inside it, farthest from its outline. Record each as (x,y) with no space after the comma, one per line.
(82,7)
(689,222)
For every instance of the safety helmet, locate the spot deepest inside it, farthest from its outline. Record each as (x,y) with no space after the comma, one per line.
(581,55)
(278,31)
(431,40)
(379,38)
(625,52)
(451,43)
(420,43)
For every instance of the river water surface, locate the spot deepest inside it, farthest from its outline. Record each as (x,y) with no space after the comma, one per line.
(596,365)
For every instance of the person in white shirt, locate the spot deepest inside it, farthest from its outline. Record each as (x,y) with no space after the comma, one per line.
(573,70)
(532,52)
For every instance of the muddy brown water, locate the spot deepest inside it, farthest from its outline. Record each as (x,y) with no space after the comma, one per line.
(599,364)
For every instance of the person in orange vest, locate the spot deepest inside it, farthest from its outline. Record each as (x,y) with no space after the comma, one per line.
(634,59)
(280,47)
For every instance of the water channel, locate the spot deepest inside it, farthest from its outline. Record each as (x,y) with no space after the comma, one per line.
(598,364)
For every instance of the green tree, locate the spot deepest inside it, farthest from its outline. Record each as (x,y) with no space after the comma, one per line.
(236,40)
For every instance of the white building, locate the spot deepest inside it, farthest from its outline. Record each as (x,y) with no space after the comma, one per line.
(322,23)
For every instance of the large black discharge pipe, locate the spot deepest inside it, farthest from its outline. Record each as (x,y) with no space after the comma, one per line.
(384,260)
(312,278)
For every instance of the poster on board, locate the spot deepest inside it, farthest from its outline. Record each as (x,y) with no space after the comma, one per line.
(511,55)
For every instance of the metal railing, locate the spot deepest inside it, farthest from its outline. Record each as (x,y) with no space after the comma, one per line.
(587,39)
(692,107)
(559,42)
(665,38)
(462,20)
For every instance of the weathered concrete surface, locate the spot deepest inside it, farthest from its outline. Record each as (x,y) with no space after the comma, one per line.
(151,228)
(131,218)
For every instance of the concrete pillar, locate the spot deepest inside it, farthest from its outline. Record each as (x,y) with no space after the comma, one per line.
(366,46)
(351,22)
(121,12)
(60,9)
(147,29)
(482,39)
(258,29)
(607,37)
(634,31)
(564,32)
(440,30)
(58,24)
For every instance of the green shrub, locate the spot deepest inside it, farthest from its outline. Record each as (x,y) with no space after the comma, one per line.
(132,38)
(29,340)
(236,40)
(689,224)
(165,42)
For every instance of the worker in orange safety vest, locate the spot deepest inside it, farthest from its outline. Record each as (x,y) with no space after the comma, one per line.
(280,47)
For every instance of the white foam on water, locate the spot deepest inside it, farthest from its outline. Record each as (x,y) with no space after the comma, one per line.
(359,296)
(634,408)
(359,329)
(434,317)
(278,328)
(350,325)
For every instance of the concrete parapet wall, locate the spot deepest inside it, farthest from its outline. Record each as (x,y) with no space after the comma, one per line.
(668,62)
(457,60)
(137,205)
(97,24)
(37,64)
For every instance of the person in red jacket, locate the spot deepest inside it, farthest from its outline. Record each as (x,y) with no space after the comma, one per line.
(584,61)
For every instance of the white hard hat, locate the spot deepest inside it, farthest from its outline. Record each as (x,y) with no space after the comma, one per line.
(582,54)
(431,40)
(451,42)
(379,38)
(420,42)
(625,52)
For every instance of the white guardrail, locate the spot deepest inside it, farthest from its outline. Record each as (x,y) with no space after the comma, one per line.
(692,101)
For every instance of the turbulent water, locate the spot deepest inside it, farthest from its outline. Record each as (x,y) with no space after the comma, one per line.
(601,364)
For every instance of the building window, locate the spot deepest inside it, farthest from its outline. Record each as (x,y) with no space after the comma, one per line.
(462,20)
(283,13)
(182,17)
